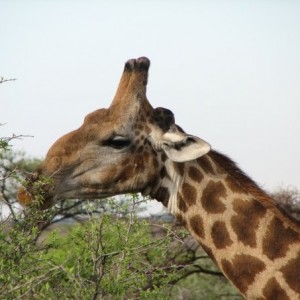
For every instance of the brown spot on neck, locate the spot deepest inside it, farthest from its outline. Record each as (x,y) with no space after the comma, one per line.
(220,235)
(291,273)
(189,193)
(278,239)
(211,197)
(195,174)
(241,271)
(274,291)
(196,224)
(205,165)
(245,223)
(182,206)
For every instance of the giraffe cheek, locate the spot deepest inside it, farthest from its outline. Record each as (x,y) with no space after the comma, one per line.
(53,164)
(109,176)
(145,162)
(127,173)
(138,163)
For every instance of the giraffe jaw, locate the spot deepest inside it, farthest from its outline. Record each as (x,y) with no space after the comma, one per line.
(146,192)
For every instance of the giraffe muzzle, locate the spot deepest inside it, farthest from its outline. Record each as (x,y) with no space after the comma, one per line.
(35,192)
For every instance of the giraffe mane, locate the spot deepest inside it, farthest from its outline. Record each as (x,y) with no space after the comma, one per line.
(250,186)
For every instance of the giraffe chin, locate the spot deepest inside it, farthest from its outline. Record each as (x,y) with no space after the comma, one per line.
(146,192)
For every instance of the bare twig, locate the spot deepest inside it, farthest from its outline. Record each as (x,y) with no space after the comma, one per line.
(2,79)
(14,136)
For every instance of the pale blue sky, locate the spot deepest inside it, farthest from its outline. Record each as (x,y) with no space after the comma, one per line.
(229,70)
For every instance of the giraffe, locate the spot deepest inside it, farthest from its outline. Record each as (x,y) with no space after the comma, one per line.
(133,147)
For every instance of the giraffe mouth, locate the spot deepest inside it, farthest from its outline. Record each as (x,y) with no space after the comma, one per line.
(28,199)
(86,194)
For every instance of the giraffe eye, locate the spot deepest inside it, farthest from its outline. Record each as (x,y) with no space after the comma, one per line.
(117,142)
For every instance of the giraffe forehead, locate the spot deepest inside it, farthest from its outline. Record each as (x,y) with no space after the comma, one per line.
(106,120)
(138,121)
(104,124)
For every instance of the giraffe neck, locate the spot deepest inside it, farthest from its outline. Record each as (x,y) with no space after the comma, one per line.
(254,243)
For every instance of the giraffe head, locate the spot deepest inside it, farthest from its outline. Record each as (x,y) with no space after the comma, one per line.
(117,150)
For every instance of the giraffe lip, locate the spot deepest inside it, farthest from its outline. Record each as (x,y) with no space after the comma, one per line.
(83,193)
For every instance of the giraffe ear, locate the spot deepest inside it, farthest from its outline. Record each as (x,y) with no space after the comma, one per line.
(181,147)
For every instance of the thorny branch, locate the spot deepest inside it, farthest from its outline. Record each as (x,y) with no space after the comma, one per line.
(99,260)
(2,79)
(132,213)
(14,136)
(30,285)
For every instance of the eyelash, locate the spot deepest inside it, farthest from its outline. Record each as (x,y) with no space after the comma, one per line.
(117,143)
